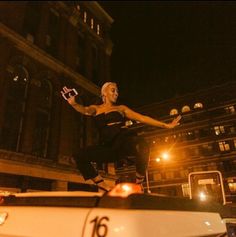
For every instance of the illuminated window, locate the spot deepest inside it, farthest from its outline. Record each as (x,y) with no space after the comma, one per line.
(85,17)
(224,146)
(185,109)
(91,23)
(232,185)
(186,190)
(98,29)
(78,7)
(198,105)
(219,130)
(230,109)
(174,112)
(232,129)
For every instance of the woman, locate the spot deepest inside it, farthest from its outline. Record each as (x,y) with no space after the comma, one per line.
(116,141)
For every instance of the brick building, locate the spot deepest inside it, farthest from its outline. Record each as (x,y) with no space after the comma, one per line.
(44,46)
(205,140)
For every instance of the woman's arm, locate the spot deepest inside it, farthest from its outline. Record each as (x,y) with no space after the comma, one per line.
(86,110)
(148,120)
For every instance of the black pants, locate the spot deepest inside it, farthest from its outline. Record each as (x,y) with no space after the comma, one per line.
(119,148)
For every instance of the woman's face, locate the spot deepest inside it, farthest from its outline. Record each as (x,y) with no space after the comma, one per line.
(111,93)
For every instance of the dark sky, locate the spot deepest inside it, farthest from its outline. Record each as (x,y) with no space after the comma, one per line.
(163,49)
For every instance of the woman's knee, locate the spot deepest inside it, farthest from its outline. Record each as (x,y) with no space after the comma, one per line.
(142,146)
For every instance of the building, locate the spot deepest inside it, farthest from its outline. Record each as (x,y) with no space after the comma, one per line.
(44,46)
(205,140)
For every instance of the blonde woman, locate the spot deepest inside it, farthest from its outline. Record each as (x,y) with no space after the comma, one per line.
(116,141)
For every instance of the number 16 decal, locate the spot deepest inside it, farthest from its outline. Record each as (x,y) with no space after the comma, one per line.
(100,228)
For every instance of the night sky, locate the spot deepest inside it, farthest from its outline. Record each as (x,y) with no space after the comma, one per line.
(164,49)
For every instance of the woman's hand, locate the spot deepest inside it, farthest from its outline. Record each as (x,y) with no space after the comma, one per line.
(174,123)
(71,97)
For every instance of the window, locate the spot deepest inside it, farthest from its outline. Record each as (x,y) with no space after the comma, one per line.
(198,105)
(32,19)
(185,109)
(95,65)
(224,146)
(186,190)
(206,149)
(230,109)
(92,23)
(78,8)
(85,17)
(174,112)
(232,129)
(18,80)
(170,175)
(192,151)
(80,60)
(52,37)
(204,132)
(232,185)
(42,120)
(98,29)
(157,177)
(190,135)
(219,130)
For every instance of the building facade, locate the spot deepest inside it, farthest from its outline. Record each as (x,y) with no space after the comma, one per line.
(204,141)
(45,46)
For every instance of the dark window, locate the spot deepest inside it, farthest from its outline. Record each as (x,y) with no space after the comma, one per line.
(206,149)
(42,121)
(17,81)
(40,134)
(204,132)
(53,36)
(80,60)
(190,135)
(32,19)
(95,65)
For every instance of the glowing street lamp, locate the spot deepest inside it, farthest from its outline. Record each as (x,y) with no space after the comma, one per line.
(158,159)
(165,156)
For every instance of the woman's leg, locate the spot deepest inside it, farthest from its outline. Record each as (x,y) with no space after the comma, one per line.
(138,147)
(94,154)
(142,159)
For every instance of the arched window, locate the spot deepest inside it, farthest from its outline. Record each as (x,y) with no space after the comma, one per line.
(42,119)
(198,105)
(185,109)
(174,112)
(17,85)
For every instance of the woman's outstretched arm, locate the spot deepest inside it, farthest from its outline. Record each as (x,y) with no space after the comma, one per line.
(86,110)
(129,113)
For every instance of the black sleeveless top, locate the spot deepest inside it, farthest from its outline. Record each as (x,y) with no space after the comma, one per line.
(107,133)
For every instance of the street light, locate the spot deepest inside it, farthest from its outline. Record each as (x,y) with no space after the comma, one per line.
(165,156)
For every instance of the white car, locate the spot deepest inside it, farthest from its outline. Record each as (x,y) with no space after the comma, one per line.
(122,212)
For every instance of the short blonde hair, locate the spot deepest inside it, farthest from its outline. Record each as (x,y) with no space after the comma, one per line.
(105,85)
